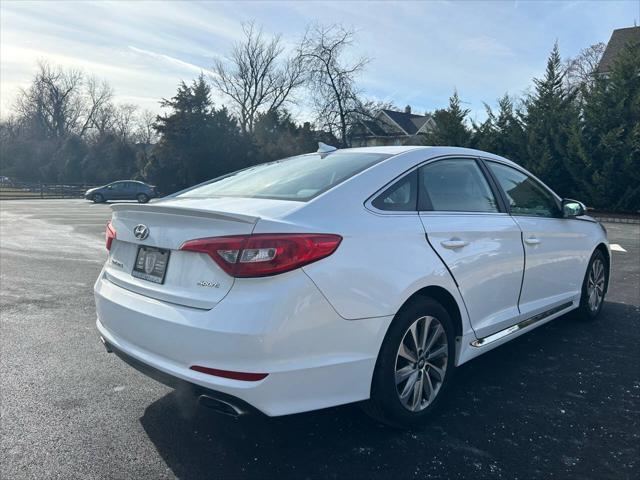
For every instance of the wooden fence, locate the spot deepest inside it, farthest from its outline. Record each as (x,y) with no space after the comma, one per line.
(16,191)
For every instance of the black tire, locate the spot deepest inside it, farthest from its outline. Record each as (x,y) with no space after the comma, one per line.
(142,198)
(385,404)
(586,311)
(97,198)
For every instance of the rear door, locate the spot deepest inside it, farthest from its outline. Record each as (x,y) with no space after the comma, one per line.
(152,263)
(556,249)
(130,190)
(481,244)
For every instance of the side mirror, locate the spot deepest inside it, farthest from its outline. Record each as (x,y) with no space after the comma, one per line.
(572,208)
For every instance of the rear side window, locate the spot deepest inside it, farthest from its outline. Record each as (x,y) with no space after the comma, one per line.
(298,178)
(524,194)
(455,185)
(401,196)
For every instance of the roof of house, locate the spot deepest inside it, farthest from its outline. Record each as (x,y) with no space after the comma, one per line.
(620,38)
(409,122)
(374,127)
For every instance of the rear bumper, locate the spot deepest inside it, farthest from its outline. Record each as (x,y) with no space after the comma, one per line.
(283,326)
(240,406)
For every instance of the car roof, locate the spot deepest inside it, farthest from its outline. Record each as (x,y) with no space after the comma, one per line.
(431,151)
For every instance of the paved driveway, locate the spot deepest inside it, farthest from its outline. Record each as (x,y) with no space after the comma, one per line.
(560,402)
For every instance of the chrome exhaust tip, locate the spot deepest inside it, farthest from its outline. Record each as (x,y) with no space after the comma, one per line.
(221,406)
(107,347)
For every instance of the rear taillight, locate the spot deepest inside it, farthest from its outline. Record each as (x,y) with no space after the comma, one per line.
(265,254)
(110,234)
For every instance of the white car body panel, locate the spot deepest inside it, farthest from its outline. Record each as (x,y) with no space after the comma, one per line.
(317,330)
(488,270)
(556,265)
(314,357)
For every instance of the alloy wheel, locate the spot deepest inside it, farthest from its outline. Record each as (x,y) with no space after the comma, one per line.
(421,363)
(595,285)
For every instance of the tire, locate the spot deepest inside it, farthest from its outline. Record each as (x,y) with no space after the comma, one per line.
(142,198)
(594,287)
(97,198)
(386,403)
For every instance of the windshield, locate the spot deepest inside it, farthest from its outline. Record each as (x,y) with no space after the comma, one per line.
(296,178)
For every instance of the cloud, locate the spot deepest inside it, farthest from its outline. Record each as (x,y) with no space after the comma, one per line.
(485,46)
(171,61)
(420,51)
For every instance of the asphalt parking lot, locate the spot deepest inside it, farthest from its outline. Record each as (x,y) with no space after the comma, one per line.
(560,402)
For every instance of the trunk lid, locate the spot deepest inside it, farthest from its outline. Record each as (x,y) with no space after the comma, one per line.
(191,279)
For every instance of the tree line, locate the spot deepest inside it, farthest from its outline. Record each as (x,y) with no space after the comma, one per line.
(578,131)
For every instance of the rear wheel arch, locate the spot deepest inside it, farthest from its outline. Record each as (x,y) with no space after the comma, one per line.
(444,298)
(386,402)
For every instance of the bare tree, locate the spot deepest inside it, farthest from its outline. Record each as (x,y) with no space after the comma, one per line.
(332,79)
(60,101)
(254,78)
(104,118)
(580,70)
(53,101)
(98,96)
(145,132)
(124,121)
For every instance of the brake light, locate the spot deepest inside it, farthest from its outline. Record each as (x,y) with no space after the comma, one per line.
(262,255)
(110,234)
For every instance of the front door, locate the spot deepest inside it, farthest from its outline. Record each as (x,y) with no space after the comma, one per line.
(556,249)
(117,191)
(480,244)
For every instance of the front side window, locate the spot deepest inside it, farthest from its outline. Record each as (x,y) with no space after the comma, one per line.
(298,178)
(524,195)
(455,185)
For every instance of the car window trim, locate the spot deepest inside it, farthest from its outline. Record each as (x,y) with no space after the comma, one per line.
(494,186)
(530,176)
(502,210)
(424,200)
(414,181)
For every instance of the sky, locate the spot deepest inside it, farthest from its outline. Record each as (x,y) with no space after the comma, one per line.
(420,51)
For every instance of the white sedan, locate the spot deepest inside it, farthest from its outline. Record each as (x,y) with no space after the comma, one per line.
(356,275)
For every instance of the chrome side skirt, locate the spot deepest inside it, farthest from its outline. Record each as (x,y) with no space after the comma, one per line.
(481,342)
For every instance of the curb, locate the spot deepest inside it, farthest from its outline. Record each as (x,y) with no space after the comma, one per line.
(632,221)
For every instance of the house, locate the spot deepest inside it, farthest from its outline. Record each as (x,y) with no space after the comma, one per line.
(390,127)
(620,38)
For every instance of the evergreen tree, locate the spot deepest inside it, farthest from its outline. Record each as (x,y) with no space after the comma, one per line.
(275,136)
(451,125)
(551,116)
(108,159)
(197,141)
(70,157)
(502,133)
(607,147)
(484,135)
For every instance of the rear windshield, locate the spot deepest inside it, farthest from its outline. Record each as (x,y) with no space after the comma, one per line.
(296,178)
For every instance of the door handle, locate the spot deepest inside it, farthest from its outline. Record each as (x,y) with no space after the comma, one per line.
(454,243)
(531,241)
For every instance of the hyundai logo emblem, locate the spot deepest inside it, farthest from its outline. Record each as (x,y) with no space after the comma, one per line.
(141,232)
